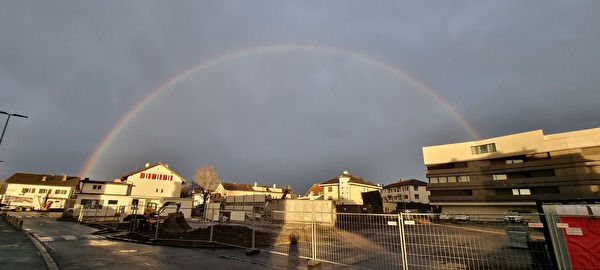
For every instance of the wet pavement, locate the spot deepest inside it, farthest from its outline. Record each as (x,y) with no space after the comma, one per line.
(18,250)
(21,250)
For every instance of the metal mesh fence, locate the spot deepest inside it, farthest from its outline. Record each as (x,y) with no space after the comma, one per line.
(376,241)
(413,241)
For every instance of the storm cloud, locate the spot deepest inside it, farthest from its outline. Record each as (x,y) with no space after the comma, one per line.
(286,92)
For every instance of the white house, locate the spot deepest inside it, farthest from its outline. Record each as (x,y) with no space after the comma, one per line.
(141,190)
(406,191)
(30,191)
(347,189)
(232,189)
(237,201)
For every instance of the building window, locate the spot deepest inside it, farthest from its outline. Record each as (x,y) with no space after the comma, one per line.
(43,190)
(329,189)
(521,191)
(97,187)
(113,201)
(483,149)
(416,196)
(446,166)
(92,204)
(58,191)
(433,180)
(451,179)
(500,177)
(416,188)
(451,193)
(464,178)
(514,161)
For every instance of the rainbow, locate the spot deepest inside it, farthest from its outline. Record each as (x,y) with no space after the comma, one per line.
(106,141)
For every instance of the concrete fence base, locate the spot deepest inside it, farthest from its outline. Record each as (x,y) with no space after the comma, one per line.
(14,221)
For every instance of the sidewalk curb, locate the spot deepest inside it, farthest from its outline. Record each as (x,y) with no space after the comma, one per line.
(47,258)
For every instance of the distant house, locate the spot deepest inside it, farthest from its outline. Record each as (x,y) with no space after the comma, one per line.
(347,189)
(239,201)
(406,191)
(232,189)
(143,189)
(315,192)
(33,191)
(104,195)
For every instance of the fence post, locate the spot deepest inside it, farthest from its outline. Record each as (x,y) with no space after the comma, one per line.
(313,240)
(80,214)
(314,236)
(253,225)
(105,214)
(403,241)
(157,224)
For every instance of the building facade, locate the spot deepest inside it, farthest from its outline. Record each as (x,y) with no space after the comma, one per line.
(406,191)
(30,191)
(509,173)
(141,190)
(232,189)
(347,189)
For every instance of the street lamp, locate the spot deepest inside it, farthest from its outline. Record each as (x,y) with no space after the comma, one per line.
(8,119)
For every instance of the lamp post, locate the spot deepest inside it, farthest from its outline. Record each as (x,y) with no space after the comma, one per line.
(8,119)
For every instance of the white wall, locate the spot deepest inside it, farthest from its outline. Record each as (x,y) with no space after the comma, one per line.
(153,186)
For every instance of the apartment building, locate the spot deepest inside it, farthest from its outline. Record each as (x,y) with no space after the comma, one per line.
(509,173)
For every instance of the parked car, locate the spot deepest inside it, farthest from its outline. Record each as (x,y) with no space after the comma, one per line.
(512,217)
(462,217)
(446,217)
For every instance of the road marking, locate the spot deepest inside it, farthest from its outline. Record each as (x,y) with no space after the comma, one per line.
(69,237)
(46,239)
(91,236)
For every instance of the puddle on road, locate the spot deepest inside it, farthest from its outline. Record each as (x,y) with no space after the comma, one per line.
(100,243)
(128,251)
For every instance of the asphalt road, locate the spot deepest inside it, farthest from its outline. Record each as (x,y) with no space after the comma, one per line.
(73,246)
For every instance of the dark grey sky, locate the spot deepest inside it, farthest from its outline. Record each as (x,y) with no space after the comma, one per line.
(323,95)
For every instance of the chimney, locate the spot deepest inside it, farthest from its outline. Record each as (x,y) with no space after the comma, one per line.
(147,164)
(44,178)
(64,177)
(345,172)
(255,184)
(274,185)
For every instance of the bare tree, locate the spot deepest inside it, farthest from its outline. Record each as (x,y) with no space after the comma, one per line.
(207,179)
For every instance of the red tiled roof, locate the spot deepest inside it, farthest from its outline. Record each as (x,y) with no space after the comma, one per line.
(315,188)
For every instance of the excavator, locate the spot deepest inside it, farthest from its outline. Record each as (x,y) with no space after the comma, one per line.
(174,223)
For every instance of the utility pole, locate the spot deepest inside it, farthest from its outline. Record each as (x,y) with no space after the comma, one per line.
(8,119)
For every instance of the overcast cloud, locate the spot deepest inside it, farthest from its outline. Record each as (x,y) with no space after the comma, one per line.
(323,95)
